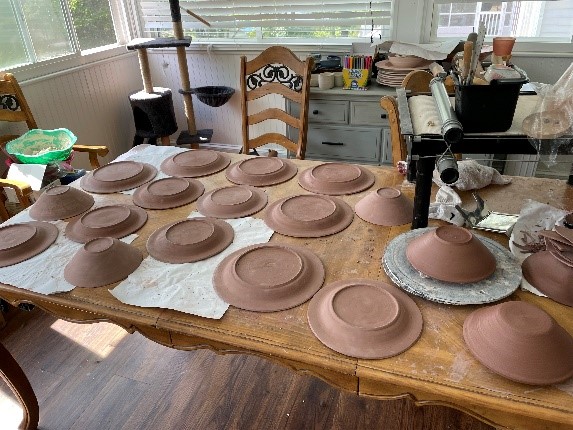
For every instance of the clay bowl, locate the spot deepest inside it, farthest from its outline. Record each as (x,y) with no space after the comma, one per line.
(61,202)
(20,242)
(521,342)
(336,179)
(385,206)
(118,176)
(550,275)
(195,163)
(235,201)
(261,171)
(406,61)
(167,193)
(268,277)
(107,221)
(452,254)
(309,215)
(364,318)
(190,240)
(102,261)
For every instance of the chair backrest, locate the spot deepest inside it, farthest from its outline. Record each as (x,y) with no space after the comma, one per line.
(13,105)
(277,70)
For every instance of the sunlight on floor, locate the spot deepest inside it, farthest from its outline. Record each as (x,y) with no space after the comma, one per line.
(11,411)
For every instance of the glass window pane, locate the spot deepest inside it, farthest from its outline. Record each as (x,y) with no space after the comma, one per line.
(13,50)
(93,23)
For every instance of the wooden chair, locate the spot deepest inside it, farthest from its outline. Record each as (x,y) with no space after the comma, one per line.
(275,71)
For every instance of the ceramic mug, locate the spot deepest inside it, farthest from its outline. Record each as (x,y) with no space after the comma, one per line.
(338,80)
(326,81)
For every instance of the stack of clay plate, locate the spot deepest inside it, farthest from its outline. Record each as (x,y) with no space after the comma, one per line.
(20,242)
(392,72)
(336,179)
(61,202)
(195,163)
(167,193)
(385,206)
(261,171)
(118,176)
(235,201)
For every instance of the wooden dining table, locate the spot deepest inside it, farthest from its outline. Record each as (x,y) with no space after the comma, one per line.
(438,369)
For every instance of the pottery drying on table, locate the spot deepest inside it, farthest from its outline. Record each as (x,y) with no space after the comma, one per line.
(61,202)
(107,221)
(235,201)
(20,242)
(102,261)
(190,240)
(167,193)
(261,171)
(385,206)
(364,318)
(268,277)
(521,342)
(549,274)
(118,176)
(309,215)
(336,179)
(195,163)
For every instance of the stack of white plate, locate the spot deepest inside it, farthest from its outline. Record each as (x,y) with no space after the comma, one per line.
(392,75)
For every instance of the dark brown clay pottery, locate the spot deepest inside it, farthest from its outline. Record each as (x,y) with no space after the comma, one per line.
(452,254)
(521,342)
(565,233)
(268,277)
(195,163)
(118,176)
(364,318)
(336,179)
(261,171)
(190,240)
(61,202)
(550,275)
(235,201)
(167,193)
(102,261)
(385,206)
(20,242)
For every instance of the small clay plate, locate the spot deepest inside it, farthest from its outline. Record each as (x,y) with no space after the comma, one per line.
(261,171)
(268,277)
(521,342)
(167,193)
(336,179)
(195,163)
(550,275)
(190,240)
(309,215)
(118,176)
(107,221)
(385,206)
(565,233)
(20,242)
(235,201)
(364,318)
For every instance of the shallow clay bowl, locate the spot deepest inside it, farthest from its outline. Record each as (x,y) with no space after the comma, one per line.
(235,201)
(61,202)
(118,176)
(406,61)
(385,206)
(107,221)
(336,179)
(521,342)
(268,277)
(549,275)
(195,163)
(190,240)
(452,254)
(261,171)
(20,242)
(102,261)
(167,193)
(364,318)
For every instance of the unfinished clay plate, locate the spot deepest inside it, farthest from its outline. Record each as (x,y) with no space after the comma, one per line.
(190,240)
(107,221)
(61,202)
(550,275)
(521,342)
(167,193)
(385,206)
(336,179)
(364,318)
(20,242)
(118,176)
(309,215)
(268,277)
(261,171)
(235,201)
(102,261)
(195,163)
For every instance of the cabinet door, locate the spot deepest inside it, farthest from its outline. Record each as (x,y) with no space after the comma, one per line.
(368,113)
(361,145)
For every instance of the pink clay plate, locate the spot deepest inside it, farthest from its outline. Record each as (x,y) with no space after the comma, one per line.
(167,193)
(61,202)
(385,206)
(261,171)
(388,65)
(20,242)
(118,176)
(235,201)
(195,163)
(550,275)
(336,179)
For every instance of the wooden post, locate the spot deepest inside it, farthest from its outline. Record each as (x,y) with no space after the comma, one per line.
(145,70)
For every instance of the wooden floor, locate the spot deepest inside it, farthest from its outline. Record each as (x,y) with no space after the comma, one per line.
(99,377)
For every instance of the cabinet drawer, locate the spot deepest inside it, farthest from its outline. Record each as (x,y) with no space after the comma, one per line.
(360,145)
(334,112)
(367,113)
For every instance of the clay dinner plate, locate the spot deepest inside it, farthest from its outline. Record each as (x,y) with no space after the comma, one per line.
(565,233)
(235,201)
(406,60)
(20,242)
(364,318)
(195,163)
(167,193)
(550,275)
(309,215)
(336,179)
(118,176)
(385,206)
(268,277)
(261,171)
(61,202)
(387,64)
(190,240)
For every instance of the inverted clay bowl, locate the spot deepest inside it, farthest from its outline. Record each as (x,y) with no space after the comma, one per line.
(167,193)
(118,176)
(20,242)
(61,202)
(550,275)
(385,206)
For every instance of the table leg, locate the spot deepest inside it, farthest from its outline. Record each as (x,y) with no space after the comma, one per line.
(424,170)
